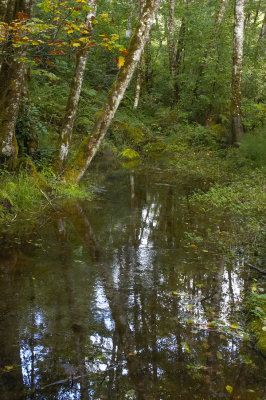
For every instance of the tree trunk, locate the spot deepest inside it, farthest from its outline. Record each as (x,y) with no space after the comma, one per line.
(139,81)
(91,143)
(178,58)
(263,30)
(220,13)
(130,18)
(171,29)
(237,127)
(11,78)
(140,68)
(148,67)
(74,96)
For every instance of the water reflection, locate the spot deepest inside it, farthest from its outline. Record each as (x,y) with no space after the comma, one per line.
(118,305)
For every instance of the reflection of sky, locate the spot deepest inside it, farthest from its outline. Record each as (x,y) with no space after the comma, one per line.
(133,267)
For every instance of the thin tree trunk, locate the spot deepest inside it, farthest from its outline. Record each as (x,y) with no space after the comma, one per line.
(257,13)
(140,68)
(91,143)
(171,29)
(220,13)
(263,30)
(139,81)
(237,127)
(11,78)
(74,95)
(148,66)
(178,58)
(129,21)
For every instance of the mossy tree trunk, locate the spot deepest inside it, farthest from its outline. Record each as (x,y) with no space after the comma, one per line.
(74,95)
(237,127)
(12,77)
(91,143)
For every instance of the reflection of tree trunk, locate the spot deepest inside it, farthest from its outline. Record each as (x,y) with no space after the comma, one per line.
(139,376)
(75,318)
(11,383)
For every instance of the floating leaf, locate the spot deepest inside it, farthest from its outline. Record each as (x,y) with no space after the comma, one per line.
(229,389)
(134,353)
(175,293)
(9,367)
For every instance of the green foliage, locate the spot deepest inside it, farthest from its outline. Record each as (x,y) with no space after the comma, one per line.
(18,195)
(253,148)
(129,154)
(256,315)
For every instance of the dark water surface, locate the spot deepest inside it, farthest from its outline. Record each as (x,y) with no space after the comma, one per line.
(113,299)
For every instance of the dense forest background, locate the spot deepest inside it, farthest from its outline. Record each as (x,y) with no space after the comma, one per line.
(193,83)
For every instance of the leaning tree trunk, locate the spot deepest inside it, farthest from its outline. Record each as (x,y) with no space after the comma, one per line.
(74,95)
(237,127)
(91,143)
(11,80)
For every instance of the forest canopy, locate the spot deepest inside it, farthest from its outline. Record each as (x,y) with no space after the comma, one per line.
(65,68)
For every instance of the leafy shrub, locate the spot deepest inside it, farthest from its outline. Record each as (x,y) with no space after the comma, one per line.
(253,148)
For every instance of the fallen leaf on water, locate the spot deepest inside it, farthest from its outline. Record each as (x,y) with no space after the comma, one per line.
(175,293)
(9,367)
(133,354)
(229,389)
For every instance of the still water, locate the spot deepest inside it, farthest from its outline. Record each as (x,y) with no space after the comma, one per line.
(112,299)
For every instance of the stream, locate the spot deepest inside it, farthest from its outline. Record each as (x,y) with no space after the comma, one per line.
(123,297)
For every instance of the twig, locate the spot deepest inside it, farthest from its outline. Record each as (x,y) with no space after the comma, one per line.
(256,268)
(47,198)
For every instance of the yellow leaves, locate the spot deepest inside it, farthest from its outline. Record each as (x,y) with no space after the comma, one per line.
(75,44)
(9,367)
(120,62)
(229,389)
(233,326)
(70,31)
(103,16)
(115,36)
(194,246)
(254,288)
(175,293)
